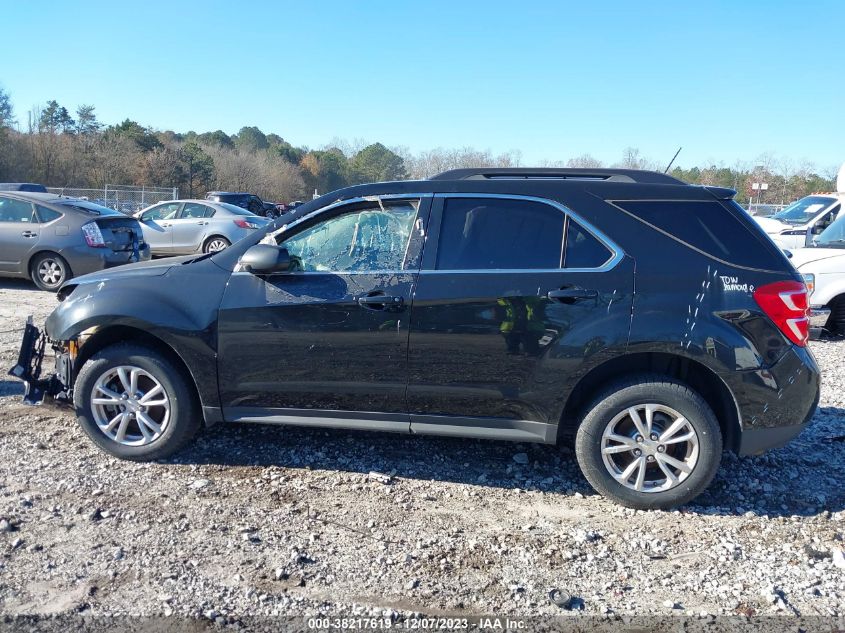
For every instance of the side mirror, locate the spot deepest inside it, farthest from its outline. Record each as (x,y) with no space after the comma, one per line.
(263,259)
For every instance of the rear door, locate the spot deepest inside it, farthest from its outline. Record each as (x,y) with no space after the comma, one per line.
(157,224)
(515,297)
(188,230)
(19,233)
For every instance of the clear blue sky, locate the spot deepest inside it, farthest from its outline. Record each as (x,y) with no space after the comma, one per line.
(727,80)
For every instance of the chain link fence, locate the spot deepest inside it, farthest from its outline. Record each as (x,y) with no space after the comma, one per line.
(765,210)
(124,198)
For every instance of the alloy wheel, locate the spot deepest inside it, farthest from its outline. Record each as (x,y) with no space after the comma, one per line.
(216,245)
(130,406)
(50,272)
(649,448)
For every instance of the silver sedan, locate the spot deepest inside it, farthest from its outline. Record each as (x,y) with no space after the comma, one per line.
(182,227)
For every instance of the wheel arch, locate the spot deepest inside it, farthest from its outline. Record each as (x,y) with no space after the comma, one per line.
(699,377)
(26,268)
(208,239)
(113,334)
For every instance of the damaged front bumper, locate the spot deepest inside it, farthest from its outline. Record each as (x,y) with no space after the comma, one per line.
(56,386)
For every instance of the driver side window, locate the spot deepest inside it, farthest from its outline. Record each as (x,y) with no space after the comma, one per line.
(368,238)
(162,212)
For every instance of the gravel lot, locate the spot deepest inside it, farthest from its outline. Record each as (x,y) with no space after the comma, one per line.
(255,521)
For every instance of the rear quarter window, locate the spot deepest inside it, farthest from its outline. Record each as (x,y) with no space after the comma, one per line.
(709,227)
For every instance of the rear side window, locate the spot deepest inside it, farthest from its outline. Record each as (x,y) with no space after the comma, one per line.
(583,250)
(493,233)
(708,227)
(193,210)
(46,215)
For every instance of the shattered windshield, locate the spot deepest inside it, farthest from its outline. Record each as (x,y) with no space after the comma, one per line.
(369,238)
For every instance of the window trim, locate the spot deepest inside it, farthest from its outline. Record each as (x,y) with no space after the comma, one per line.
(616,252)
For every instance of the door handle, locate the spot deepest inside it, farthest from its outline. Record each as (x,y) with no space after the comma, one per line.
(202,223)
(382,302)
(572,295)
(166,226)
(29,234)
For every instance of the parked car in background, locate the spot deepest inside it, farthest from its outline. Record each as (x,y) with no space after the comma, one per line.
(192,226)
(248,201)
(808,216)
(823,266)
(649,320)
(50,238)
(23,186)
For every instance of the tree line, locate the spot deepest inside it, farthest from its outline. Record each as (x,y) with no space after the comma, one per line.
(63,148)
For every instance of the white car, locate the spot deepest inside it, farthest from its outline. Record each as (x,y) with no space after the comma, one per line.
(800,222)
(823,267)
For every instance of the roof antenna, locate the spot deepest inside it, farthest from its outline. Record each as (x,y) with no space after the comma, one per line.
(666,171)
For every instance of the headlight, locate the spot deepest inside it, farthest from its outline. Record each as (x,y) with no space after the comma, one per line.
(810,282)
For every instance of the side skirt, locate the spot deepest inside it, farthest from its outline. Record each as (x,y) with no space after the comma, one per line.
(442,425)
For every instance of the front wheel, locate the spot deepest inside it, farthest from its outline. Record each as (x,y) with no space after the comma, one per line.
(649,443)
(135,404)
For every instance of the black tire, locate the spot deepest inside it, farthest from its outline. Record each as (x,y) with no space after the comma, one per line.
(641,390)
(836,321)
(215,238)
(49,271)
(184,420)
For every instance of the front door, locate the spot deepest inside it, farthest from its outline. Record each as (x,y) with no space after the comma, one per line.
(19,233)
(157,224)
(513,302)
(327,341)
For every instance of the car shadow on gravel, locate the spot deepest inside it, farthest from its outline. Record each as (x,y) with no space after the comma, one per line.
(18,284)
(804,478)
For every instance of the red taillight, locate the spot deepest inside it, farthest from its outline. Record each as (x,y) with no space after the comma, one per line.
(785,303)
(93,236)
(245,224)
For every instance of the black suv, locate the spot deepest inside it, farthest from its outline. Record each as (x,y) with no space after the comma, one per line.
(247,201)
(651,321)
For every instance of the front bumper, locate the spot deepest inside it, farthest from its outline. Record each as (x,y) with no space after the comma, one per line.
(28,368)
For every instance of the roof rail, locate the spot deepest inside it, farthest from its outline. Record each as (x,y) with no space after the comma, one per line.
(556,173)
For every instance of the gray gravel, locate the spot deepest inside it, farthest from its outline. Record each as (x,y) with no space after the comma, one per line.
(254,521)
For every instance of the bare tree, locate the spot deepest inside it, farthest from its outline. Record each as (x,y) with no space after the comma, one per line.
(584,161)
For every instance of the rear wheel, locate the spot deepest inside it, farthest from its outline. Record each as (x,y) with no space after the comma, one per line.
(134,403)
(649,443)
(215,244)
(836,321)
(49,271)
